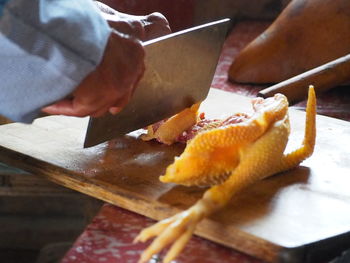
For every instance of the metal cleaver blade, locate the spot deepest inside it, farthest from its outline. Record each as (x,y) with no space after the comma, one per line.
(179,71)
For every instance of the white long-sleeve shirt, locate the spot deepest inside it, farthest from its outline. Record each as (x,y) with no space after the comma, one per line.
(46,48)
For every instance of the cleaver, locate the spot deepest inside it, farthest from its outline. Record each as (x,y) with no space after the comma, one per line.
(179,71)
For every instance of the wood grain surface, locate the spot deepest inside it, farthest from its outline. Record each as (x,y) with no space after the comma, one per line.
(296,216)
(323,78)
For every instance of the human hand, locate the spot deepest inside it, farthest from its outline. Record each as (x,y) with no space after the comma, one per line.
(110,86)
(142,27)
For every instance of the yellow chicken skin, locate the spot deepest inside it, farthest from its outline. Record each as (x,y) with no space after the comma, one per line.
(229,159)
(168,130)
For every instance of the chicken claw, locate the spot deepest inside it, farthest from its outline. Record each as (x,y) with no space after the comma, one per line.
(176,230)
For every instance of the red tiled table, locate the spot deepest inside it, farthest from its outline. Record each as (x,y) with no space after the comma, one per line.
(108,239)
(109,236)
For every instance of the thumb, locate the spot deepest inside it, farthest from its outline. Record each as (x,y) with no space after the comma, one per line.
(62,107)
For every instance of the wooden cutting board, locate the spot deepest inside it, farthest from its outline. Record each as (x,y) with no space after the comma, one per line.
(299,216)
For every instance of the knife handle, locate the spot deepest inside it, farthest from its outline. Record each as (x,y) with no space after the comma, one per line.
(322,78)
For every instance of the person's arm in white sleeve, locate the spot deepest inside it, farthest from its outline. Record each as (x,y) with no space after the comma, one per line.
(47,48)
(51,49)
(110,86)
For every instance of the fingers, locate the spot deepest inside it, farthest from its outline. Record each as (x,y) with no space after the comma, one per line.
(87,103)
(131,27)
(120,104)
(116,109)
(156,25)
(123,23)
(141,27)
(72,107)
(63,107)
